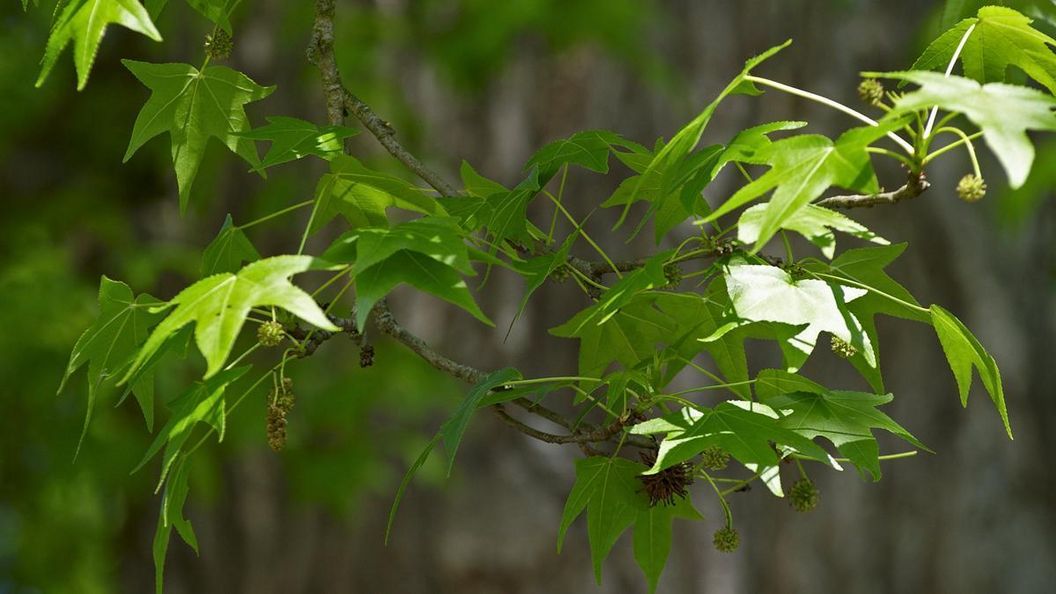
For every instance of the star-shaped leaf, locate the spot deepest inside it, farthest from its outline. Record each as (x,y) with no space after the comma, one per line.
(84,22)
(846,419)
(217,11)
(589,149)
(652,536)
(769,294)
(293,138)
(455,427)
(801,169)
(964,351)
(744,429)
(627,337)
(427,253)
(218,306)
(109,344)
(193,105)
(1001,37)
(1003,112)
(228,251)
(813,222)
(363,196)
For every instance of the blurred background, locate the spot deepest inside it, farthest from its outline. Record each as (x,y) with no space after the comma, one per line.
(490,82)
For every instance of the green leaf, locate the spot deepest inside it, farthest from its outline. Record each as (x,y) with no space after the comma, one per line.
(363,195)
(628,336)
(801,169)
(609,490)
(455,427)
(652,536)
(644,278)
(84,22)
(201,403)
(1003,112)
(478,185)
(846,419)
(171,516)
(664,163)
(218,306)
(228,251)
(864,267)
(109,344)
(963,351)
(293,138)
(813,222)
(744,429)
(1001,37)
(217,11)
(192,106)
(536,270)
(427,253)
(769,294)
(507,212)
(406,481)
(589,148)
(419,271)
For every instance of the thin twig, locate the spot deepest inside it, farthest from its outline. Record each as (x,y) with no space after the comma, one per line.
(916,186)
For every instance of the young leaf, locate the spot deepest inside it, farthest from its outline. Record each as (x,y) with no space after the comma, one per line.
(419,271)
(218,306)
(652,536)
(813,222)
(608,488)
(963,351)
(663,163)
(627,337)
(1001,37)
(293,139)
(84,22)
(746,432)
(769,294)
(846,419)
(1003,112)
(453,429)
(801,169)
(171,515)
(589,149)
(193,105)
(109,343)
(228,251)
(363,195)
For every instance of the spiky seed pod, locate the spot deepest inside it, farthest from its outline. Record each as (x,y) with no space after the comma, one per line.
(726,539)
(673,274)
(871,91)
(218,45)
(843,348)
(366,355)
(803,495)
(280,402)
(971,188)
(270,334)
(667,484)
(714,458)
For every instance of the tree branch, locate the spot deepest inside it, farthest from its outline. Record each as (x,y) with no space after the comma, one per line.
(915,186)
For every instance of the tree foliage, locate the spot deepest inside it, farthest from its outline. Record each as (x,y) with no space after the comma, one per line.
(683,311)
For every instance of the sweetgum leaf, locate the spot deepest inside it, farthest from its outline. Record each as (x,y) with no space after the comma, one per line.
(628,336)
(293,138)
(218,306)
(1003,112)
(455,427)
(652,536)
(812,222)
(109,344)
(1002,37)
(193,105)
(846,419)
(228,251)
(801,169)
(84,22)
(964,351)
(608,489)
(589,149)
(171,516)
(362,195)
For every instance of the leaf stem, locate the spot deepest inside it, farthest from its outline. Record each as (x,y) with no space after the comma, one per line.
(949,70)
(277,213)
(965,139)
(830,103)
(583,232)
